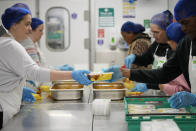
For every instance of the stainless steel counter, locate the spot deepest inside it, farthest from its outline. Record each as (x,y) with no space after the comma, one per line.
(114,122)
(52,117)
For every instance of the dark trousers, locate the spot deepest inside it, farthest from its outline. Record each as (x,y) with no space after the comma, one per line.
(1,120)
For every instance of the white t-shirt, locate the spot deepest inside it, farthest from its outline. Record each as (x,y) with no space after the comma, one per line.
(16,64)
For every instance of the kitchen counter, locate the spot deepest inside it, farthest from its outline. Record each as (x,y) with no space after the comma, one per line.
(50,115)
(66,117)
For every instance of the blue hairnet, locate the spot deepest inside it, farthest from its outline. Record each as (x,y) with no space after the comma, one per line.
(174,32)
(132,27)
(21,5)
(162,19)
(12,15)
(35,23)
(185,9)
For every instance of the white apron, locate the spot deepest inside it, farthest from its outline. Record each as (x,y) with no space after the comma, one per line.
(157,63)
(10,102)
(159,60)
(192,71)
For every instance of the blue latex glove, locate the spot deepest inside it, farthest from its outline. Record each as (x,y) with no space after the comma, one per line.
(116,73)
(27,95)
(140,87)
(79,75)
(129,60)
(182,99)
(64,68)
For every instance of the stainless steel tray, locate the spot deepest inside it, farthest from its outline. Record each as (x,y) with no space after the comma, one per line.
(113,94)
(113,91)
(66,90)
(66,94)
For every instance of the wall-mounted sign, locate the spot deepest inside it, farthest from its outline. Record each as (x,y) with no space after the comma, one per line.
(106,17)
(100,33)
(74,16)
(100,42)
(147,23)
(129,8)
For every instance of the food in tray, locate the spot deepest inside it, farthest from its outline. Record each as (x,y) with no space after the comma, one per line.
(149,109)
(93,76)
(128,84)
(140,108)
(70,85)
(170,110)
(134,93)
(108,86)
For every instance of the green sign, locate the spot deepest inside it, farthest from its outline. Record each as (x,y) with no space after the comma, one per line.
(106,12)
(147,23)
(106,17)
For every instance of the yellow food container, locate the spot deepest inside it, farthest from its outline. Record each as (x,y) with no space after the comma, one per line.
(128,84)
(45,88)
(100,76)
(37,96)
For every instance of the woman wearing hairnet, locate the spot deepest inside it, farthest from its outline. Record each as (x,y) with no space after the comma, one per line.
(137,40)
(175,34)
(16,65)
(32,47)
(182,62)
(158,52)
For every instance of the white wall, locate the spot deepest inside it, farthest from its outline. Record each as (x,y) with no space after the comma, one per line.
(145,9)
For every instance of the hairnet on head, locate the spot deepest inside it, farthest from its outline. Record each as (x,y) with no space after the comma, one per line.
(12,15)
(35,23)
(162,19)
(174,32)
(21,5)
(132,27)
(185,9)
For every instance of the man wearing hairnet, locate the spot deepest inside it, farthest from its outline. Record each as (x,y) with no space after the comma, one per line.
(183,61)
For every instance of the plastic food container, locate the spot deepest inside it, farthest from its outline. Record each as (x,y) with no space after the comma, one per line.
(159,110)
(101,106)
(93,76)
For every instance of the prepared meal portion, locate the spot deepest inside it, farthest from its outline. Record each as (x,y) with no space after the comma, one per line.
(100,76)
(140,108)
(133,93)
(67,86)
(171,110)
(128,84)
(149,109)
(108,86)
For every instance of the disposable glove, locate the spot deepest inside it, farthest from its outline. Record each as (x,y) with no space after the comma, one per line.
(27,95)
(116,73)
(64,68)
(140,87)
(79,75)
(182,99)
(129,60)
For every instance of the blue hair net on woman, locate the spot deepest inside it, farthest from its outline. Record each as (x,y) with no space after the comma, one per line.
(21,5)
(162,19)
(185,9)
(132,27)
(35,23)
(174,32)
(12,15)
